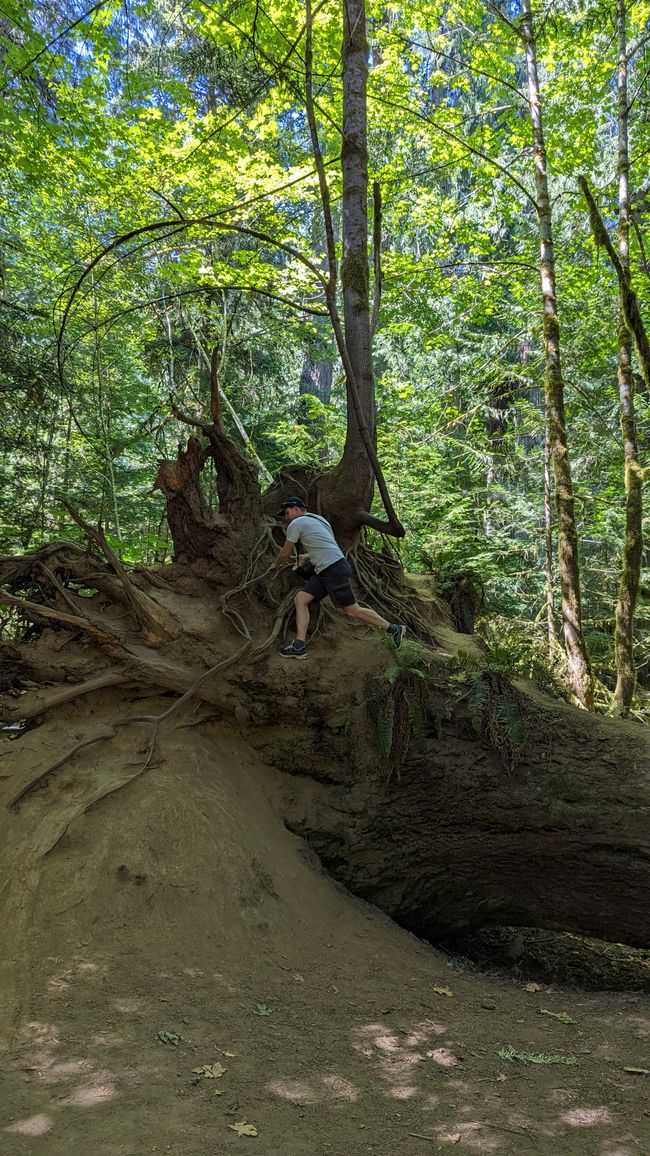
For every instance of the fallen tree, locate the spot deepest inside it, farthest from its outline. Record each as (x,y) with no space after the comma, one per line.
(508,808)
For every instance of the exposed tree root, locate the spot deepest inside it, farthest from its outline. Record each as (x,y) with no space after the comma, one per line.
(382,579)
(30,706)
(157,720)
(42,775)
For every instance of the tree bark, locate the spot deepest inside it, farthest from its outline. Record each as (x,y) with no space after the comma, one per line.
(633,545)
(551,635)
(568,563)
(561,842)
(315,381)
(193,528)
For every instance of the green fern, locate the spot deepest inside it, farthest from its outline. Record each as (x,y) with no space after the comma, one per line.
(495,708)
(396,704)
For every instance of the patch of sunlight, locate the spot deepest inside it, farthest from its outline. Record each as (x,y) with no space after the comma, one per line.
(387,1043)
(402,1093)
(34,1126)
(58,984)
(44,1035)
(107,1040)
(294,1091)
(444,1057)
(62,979)
(437,1029)
(587,1117)
(339,1088)
(607,1151)
(65,1068)
(416,1039)
(99,1091)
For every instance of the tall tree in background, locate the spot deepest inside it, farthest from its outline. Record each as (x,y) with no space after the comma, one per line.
(568,562)
(633,545)
(349,487)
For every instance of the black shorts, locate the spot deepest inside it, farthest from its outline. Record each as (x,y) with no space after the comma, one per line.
(333,580)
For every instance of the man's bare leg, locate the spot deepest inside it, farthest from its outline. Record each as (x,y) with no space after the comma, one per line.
(366,615)
(301,602)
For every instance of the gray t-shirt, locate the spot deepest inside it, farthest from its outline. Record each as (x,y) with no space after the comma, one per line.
(316,538)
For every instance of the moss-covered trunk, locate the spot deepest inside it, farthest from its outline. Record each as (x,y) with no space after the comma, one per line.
(568,563)
(633,545)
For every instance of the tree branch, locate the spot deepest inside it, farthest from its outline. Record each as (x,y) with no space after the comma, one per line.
(629,302)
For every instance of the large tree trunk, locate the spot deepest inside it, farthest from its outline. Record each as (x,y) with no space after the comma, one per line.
(462,834)
(569,571)
(562,842)
(633,546)
(349,487)
(315,381)
(346,492)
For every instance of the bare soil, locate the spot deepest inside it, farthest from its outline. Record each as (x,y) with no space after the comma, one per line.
(181,904)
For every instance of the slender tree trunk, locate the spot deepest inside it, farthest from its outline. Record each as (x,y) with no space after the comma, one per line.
(315,381)
(569,572)
(551,633)
(354,167)
(633,546)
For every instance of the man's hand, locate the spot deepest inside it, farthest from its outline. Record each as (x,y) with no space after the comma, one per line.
(300,561)
(283,556)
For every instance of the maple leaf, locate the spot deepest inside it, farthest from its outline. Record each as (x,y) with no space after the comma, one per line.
(443,991)
(210,1071)
(243,1129)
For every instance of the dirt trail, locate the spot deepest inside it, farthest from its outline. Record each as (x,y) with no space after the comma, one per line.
(181,904)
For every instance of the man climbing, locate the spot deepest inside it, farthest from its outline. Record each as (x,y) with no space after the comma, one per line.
(331,575)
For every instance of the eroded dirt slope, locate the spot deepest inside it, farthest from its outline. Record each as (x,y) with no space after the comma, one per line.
(181,904)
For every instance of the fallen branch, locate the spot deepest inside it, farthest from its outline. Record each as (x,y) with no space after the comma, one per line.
(155,622)
(29,706)
(35,611)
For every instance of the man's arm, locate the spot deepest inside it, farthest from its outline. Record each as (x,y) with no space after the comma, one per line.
(283,555)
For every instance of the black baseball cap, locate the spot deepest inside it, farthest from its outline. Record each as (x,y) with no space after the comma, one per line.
(292,501)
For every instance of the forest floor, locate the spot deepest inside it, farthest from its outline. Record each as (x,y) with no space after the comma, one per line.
(179,969)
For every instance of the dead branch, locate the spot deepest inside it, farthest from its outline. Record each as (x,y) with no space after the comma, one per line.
(629,300)
(29,706)
(155,622)
(61,590)
(35,611)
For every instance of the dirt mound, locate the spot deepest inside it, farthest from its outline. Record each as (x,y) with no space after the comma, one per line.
(176,924)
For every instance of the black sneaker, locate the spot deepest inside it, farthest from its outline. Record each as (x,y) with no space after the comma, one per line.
(295,649)
(396,633)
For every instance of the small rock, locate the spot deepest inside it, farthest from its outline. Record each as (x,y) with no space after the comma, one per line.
(488,1004)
